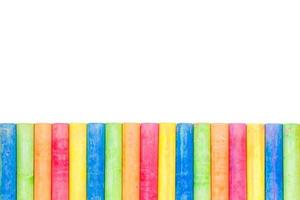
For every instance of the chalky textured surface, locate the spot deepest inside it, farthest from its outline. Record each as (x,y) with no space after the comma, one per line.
(8,161)
(202,160)
(274,162)
(219,162)
(149,161)
(60,161)
(291,161)
(184,162)
(237,162)
(113,161)
(25,161)
(42,161)
(77,162)
(166,168)
(96,161)
(255,162)
(131,161)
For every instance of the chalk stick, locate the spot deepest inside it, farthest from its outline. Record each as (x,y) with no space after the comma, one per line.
(255,162)
(8,162)
(95,160)
(149,161)
(202,158)
(291,159)
(113,161)
(25,161)
(184,161)
(219,162)
(77,163)
(131,161)
(274,161)
(237,162)
(42,161)
(166,161)
(60,162)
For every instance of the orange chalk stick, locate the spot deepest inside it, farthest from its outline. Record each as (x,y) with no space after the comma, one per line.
(131,161)
(219,162)
(42,161)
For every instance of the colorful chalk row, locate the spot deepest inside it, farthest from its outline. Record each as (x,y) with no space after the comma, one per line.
(164,161)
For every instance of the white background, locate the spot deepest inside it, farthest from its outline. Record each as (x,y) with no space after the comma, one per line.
(143,61)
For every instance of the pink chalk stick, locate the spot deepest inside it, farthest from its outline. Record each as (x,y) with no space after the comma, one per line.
(60,162)
(237,162)
(149,161)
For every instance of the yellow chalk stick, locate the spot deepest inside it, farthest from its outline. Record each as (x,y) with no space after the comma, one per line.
(77,154)
(166,161)
(255,162)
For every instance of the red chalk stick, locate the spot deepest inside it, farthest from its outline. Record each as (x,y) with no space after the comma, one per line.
(237,162)
(149,161)
(60,162)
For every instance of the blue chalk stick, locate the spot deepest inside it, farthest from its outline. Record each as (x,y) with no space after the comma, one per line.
(95,160)
(274,161)
(184,161)
(8,162)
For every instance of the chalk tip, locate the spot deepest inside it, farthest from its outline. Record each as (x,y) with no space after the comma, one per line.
(219,124)
(237,124)
(42,124)
(273,125)
(255,124)
(184,124)
(149,124)
(291,124)
(113,123)
(77,123)
(7,124)
(95,123)
(167,123)
(24,124)
(60,123)
(291,127)
(131,123)
(201,123)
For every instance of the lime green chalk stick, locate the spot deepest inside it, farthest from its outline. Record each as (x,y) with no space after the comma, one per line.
(25,162)
(202,162)
(113,161)
(291,159)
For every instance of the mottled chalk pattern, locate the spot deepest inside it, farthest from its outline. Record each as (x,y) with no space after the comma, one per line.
(166,161)
(42,161)
(219,162)
(184,162)
(95,159)
(274,161)
(113,161)
(291,137)
(131,161)
(25,161)
(8,162)
(60,162)
(202,158)
(237,162)
(77,164)
(255,162)
(149,161)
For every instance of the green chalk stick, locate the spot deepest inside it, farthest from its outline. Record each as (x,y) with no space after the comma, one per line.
(202,177)
(113,161)
(291,159)
(25,161)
